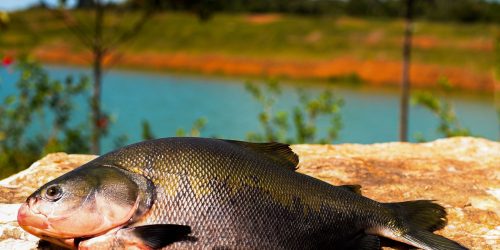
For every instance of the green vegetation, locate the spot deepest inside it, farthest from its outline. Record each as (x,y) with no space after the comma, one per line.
(352,79)
(497,83)
(147,132)
(281,37)
(442,10)
(276,124)
(449,125)
(47,104)
(196,129)
(41,101)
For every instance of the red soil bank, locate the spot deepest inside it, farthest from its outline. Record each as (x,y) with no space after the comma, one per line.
(373,72)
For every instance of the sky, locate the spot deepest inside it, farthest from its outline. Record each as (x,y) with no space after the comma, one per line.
(9,5)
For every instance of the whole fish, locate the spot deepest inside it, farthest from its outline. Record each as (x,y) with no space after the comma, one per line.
(195,193)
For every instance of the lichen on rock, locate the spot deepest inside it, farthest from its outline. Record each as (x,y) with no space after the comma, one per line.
(462,174)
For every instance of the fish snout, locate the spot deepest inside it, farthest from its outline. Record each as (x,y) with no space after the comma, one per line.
(26,217)
(31,201)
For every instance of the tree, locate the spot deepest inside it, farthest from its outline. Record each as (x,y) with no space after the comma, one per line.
(204,9)
(85,3)
(100,46)
(39,102)
(305,116)
(443,109)
(405,82)
(496,87)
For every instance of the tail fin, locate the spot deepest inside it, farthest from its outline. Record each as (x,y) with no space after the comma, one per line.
(416,220)
(428,240)
(423,214)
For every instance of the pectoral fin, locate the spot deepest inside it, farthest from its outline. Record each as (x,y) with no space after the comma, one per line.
(160,235)
(142,237)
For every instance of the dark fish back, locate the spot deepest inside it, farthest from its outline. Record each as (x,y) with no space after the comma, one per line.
(233,196)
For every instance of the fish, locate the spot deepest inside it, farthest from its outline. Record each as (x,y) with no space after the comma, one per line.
(203,193)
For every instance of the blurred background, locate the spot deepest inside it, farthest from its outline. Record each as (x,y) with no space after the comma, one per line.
(88,76)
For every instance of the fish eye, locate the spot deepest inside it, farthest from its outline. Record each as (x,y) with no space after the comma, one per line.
(53,193)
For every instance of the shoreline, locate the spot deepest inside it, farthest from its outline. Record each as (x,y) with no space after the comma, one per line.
(375,73)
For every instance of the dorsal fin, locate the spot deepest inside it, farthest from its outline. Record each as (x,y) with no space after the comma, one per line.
(353,188)
(278,152)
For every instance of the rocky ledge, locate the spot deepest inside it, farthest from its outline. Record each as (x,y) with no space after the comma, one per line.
(462,174)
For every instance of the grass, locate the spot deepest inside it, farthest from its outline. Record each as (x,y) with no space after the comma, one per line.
(287,37)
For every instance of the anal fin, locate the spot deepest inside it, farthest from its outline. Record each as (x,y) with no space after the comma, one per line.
(362,242)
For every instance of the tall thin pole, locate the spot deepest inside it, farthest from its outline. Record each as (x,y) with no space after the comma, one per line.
(405,83)
(98,52)
(496,83)
(100,48)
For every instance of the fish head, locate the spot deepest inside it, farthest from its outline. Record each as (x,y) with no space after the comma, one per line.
(88,201)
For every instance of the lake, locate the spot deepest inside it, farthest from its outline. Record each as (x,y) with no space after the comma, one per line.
(171,101)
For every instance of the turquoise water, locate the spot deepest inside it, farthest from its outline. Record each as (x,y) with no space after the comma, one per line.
(170,102)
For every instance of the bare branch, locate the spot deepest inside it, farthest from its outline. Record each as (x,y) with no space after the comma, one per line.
(98,43)
(136,28)
(114,58)
(74,25)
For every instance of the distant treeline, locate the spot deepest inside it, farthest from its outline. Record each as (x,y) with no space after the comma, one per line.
(438,10)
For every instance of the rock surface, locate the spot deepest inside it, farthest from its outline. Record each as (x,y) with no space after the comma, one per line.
(462,174)
(16,188)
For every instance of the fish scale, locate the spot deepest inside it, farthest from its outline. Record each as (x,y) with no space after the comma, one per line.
(196,193)
(247,211)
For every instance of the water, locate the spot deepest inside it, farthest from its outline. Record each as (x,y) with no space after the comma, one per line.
(170,102)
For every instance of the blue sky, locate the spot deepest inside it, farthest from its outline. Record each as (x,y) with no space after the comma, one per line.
(20,4)
(8,5)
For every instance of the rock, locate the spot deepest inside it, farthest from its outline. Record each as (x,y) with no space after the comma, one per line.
(462,174)
(18,187)
(15,189)
(11,235)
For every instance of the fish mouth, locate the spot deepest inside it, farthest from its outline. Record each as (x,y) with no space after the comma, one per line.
(37,224)
(34,222)
(28,219)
